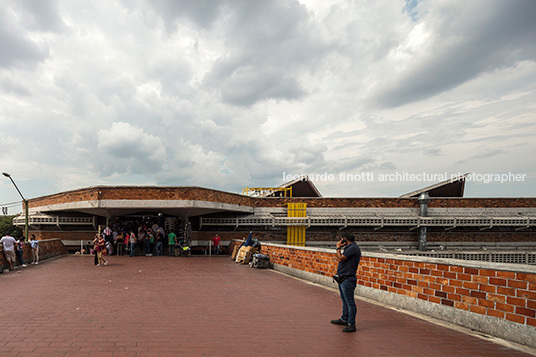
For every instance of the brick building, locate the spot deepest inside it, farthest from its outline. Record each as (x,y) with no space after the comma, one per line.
(304,217)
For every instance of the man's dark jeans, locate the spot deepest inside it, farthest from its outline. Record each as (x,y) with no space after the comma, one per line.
(132,250)
(158,248)
(349,309)
(20,255)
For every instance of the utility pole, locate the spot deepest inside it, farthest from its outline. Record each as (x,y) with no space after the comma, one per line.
(25,202)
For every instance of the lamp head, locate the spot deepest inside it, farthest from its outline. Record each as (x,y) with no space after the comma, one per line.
(6,174)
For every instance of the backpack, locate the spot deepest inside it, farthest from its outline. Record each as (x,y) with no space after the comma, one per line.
(260,261)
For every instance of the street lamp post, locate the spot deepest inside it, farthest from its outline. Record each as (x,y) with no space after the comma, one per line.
(25,205)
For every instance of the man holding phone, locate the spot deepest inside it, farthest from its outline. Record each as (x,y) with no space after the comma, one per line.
(346,271)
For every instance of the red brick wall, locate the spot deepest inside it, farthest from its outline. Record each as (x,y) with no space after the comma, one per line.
(142,193)
(64,235)
(87,194)
(499,293)
(503,294)
(227,236)
(47,249)
(317,262)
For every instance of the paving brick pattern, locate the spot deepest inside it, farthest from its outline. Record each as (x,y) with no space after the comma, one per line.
(200,306)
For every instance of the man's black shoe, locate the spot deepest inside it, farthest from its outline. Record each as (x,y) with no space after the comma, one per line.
(339,322)
(349,328)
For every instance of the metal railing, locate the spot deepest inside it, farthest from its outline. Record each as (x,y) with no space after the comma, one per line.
(53,220)
(528,258)
(401,221)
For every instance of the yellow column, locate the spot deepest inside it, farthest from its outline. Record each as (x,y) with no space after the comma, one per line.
(301,230)
(290,229)
(296,234)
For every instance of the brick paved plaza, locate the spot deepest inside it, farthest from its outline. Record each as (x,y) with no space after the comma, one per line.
(201,306)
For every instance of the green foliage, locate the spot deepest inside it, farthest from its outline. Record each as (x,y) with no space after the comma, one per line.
(6,226)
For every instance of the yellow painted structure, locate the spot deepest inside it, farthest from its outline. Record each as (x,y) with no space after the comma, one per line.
(265,191)
(296,234)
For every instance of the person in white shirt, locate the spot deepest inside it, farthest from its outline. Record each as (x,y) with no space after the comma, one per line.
(8,243)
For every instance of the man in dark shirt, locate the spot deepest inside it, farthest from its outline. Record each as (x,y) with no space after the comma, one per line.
(347,268)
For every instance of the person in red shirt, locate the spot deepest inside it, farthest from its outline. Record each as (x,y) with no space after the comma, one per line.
(216,241)
(101,249)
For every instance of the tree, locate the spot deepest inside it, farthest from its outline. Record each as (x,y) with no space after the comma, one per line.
(6,226)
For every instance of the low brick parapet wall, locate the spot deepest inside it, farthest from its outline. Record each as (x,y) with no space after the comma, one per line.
(499,299)
(47,249)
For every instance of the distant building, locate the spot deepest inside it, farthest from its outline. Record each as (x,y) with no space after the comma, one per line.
(306,217)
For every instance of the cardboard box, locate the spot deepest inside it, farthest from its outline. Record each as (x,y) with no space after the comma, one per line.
(242,254)
(248,256)
(235,252)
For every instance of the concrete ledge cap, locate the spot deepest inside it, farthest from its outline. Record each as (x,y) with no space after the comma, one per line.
(518,268)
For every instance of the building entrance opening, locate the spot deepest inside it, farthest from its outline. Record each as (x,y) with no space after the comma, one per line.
(153,234)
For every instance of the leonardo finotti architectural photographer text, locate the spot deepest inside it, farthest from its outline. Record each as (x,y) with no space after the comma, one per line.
(404,176)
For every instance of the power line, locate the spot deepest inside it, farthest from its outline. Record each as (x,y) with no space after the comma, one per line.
(6,207)
(11,204)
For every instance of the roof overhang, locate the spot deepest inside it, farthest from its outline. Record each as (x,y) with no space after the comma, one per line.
(301,187)
(114,208)
(449,188)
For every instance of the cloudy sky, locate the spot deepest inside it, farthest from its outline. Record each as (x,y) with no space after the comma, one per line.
(229,94)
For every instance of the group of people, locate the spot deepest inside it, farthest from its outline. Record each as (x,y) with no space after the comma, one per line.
(147,239)
(14,249)
(152,238)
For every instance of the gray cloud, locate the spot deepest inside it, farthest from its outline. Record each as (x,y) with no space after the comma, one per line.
(249,85)
(270,43)
(489,36)
(127,149)
(42,15)
(16,48)
(482,155)
(201,12)
(433,152)
(9,85)
(235,93)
